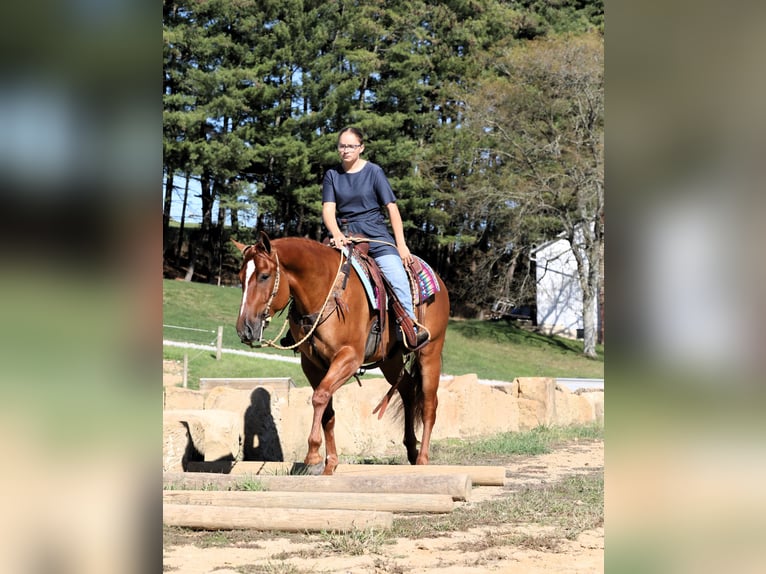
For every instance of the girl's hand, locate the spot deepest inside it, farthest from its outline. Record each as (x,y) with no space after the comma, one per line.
(339,241)
(404,253)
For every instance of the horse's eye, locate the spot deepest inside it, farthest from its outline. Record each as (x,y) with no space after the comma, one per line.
(263,277)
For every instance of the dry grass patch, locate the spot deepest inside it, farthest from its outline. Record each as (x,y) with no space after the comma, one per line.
(355,542)
(271,568)
(570,506)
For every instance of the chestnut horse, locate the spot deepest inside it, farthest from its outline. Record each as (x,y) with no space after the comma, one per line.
(333,350)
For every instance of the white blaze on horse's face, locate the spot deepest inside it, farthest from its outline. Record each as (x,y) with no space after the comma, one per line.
(249,271)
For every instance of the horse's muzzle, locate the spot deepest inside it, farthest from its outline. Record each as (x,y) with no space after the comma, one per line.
(250,331)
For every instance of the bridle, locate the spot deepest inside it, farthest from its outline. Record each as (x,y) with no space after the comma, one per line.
(266,313)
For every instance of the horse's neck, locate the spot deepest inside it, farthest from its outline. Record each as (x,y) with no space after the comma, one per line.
(309,276)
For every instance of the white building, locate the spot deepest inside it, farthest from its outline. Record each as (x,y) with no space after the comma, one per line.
(559,296)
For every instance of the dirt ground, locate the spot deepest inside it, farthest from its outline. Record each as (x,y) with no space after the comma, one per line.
(464,552)
(456,552)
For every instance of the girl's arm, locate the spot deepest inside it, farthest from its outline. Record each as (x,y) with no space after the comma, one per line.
(398,227)
(328,216)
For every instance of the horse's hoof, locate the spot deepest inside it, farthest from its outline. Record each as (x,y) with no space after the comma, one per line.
(315,469)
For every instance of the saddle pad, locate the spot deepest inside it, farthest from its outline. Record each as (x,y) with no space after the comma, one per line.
(426,279)
(366,282)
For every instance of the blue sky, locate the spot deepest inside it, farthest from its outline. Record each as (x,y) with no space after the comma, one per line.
(194,204)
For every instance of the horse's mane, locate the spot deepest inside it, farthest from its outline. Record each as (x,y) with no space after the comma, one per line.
(303,240)
(301,250)
(303,244)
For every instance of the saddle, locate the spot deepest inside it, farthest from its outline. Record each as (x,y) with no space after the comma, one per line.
(420,282)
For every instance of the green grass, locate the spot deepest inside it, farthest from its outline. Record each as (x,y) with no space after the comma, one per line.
(355,542)
(502,351)
(202,364)
(491,350)
(540,440)
(487,450)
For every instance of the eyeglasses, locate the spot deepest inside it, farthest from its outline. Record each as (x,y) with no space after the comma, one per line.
(342,147)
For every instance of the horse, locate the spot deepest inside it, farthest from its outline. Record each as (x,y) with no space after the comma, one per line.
(307,273)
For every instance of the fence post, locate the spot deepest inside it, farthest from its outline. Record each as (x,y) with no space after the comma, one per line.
(219,343)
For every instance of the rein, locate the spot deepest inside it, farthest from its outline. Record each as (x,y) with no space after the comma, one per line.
(273,342)
(368,240)
(266,313)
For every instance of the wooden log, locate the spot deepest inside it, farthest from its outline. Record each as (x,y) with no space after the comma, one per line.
(389,502)
(458,486)
(480,475)
(287,519)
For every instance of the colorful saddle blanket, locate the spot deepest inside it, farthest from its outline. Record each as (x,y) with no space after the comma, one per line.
(423,282)
(425,279)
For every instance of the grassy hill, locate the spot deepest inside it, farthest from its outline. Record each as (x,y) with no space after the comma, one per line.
(492,350)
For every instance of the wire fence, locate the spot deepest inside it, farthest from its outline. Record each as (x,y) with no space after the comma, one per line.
(187,328)
(205,339)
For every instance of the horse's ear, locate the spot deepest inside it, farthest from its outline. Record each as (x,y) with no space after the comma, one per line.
(240,246)
(266,242)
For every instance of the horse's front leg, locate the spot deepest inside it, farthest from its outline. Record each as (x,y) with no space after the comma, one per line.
(344,365)
(315,376)
(328,425)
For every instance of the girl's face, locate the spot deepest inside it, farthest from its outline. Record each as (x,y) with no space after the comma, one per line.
(349,147)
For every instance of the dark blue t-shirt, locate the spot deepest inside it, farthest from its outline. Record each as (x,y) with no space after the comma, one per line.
(358,199)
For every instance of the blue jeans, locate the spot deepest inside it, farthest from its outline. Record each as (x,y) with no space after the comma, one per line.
(393,268)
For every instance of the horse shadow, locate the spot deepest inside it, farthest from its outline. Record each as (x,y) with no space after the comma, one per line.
(259,424)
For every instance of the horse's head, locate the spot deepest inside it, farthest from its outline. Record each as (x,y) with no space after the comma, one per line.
(259,276)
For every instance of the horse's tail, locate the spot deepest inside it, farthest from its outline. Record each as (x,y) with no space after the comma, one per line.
(409,384)
(417,392)
(383,404)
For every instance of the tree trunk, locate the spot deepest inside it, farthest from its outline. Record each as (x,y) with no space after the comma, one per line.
(183,220)
(203,251)
(219,248)
(589,308)
(206,195)
(601,280)
(234,220)
(168,202)
(590,284)
(585,244)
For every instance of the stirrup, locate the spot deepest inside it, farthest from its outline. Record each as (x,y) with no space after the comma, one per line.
(422,338)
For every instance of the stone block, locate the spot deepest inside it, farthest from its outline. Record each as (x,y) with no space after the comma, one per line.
(541,390)
(595,398)
(179,398)
(357,429)
(572,408)
(215,434)
(262,413)
(467,408)
(272,425)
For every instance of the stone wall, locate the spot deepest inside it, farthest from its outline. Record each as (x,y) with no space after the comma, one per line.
(273,424)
